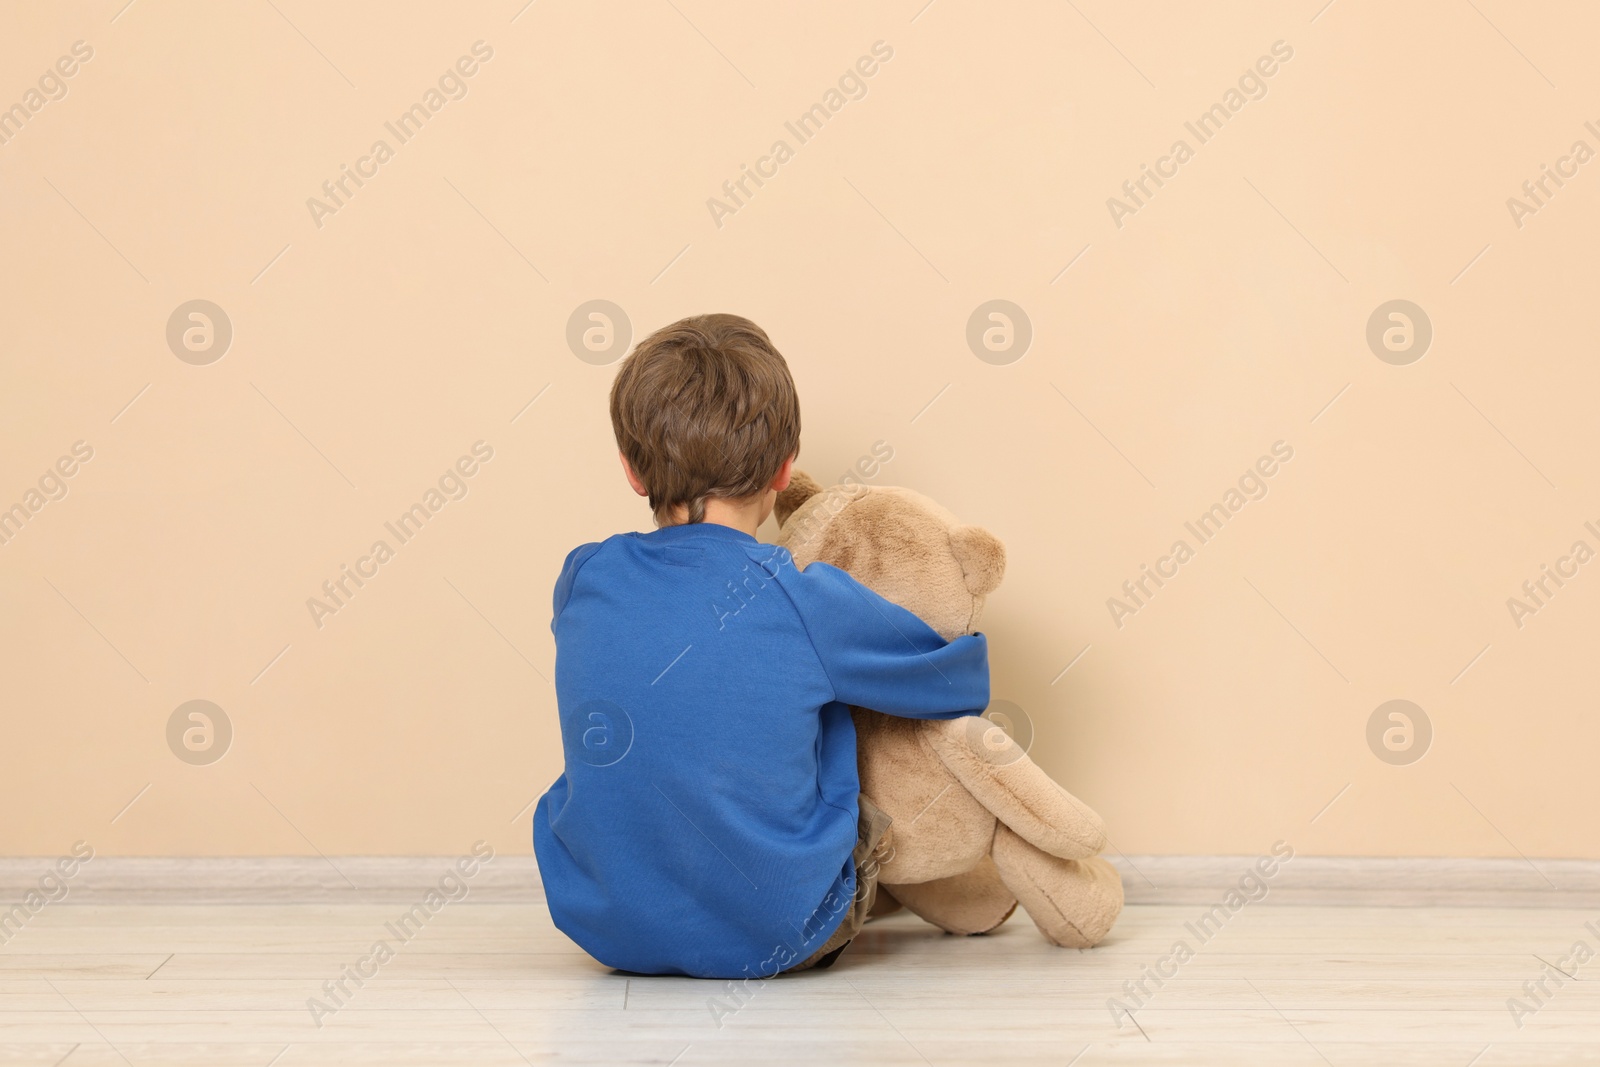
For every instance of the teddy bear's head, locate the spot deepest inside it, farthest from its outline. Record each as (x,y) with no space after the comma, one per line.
(897,543)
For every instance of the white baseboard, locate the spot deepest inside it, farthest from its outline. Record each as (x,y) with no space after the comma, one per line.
(1422,881)
(273,879)
(1320,880)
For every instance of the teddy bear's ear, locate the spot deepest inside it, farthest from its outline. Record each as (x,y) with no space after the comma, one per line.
(982,557)
(802,487)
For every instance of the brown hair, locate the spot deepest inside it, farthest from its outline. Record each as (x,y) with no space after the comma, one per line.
(705,408)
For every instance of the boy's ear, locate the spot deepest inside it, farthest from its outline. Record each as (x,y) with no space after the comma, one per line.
(633,479)
(801,487)
(785,473)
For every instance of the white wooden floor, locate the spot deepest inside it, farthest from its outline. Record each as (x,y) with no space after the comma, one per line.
(489,981)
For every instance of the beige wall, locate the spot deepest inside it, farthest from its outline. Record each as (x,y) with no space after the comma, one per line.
(1225,314)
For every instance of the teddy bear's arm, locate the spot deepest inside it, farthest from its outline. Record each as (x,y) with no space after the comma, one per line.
(999,774)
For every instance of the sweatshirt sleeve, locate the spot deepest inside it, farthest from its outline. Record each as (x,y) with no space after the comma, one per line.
(569,571)
(878,655)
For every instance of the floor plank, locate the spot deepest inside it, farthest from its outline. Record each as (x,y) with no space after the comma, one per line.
(488,981)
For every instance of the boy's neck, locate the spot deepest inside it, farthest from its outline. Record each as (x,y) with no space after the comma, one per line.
(746,516)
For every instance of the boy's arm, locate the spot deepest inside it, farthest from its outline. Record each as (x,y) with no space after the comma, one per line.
(878,655)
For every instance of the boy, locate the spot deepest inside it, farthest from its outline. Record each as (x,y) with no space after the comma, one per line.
(708,820)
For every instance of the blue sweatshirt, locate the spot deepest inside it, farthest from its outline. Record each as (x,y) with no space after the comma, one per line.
(706,817)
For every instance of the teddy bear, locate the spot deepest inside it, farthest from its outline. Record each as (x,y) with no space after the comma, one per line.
(977,827)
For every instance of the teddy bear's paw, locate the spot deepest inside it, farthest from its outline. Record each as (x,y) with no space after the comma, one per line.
(1000,776)
(1074,902)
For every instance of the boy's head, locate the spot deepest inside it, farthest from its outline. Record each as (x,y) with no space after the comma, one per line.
(705,409)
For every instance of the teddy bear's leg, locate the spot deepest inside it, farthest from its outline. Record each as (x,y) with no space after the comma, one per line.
(974,902)
(1073,902)
(883,904)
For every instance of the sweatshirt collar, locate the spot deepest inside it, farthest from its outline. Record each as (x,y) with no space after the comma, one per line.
(699,529)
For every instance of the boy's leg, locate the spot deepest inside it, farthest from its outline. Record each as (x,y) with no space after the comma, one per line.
(872,848)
